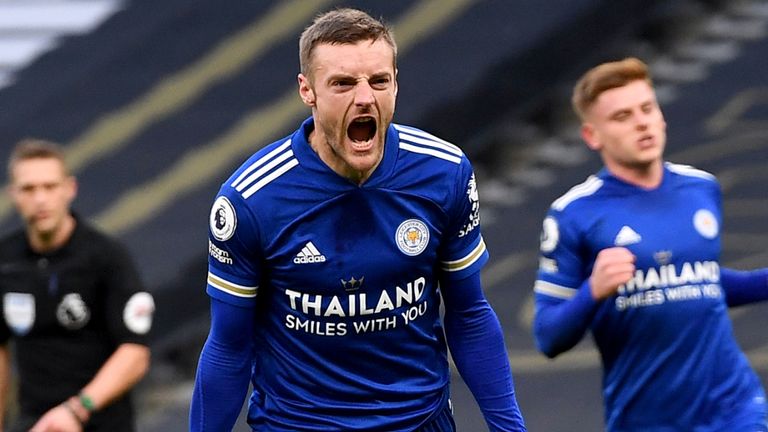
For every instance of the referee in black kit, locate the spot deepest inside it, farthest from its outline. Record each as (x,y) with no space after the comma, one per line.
(73,305)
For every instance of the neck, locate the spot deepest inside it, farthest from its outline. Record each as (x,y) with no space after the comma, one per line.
(54,239)
(334,161)
(644,176)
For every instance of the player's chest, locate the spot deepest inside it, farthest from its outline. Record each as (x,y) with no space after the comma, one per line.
(42,296)
(356,238)
(659,232)
(676,244)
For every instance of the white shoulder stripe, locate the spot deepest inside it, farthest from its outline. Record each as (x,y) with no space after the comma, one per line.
(421,133)
(587,188)
(251,180)
(259,163)
(275,174)
(263,170)
(418,141)
(553,290)
(688,170)
(449,148)
(416,135)
(231,287)
(431,152)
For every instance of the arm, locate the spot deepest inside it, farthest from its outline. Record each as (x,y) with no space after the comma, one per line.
(476,341)
(744,287)
(122,370)
(559,325)
(5,376)
(128,311)
(224,369)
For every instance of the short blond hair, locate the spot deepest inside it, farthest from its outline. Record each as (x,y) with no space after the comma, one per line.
(606,76)
(342,26)
(35,148)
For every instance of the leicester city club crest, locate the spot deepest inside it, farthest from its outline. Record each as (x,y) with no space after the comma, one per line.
(412,237)
(706,224)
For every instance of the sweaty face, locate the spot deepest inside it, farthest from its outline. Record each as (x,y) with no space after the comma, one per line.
(42,193)
(352,91)
(627,127)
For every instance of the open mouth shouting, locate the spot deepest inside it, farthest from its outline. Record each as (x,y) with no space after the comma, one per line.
(361,132)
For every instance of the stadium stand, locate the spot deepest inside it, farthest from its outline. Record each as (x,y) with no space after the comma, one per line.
(162,100)
(30,28)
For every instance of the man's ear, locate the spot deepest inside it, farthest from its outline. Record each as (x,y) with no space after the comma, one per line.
(305,91)
(70,183)
(590,136)
(396,86)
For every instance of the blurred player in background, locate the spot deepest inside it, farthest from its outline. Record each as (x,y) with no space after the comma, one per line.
(73,305)
(632,254)
(330,252)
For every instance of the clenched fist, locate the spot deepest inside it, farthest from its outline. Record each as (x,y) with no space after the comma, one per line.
(613,267)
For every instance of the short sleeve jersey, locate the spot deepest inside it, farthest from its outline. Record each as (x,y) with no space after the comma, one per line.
(67,311)
(343,278)
(670,359)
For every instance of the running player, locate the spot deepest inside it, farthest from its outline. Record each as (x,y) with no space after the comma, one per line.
(632,254)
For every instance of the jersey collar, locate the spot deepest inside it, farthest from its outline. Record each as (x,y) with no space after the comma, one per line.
(608,176)
(311,161)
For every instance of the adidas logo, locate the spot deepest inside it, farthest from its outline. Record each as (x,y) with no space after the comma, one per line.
(308,255)
(626,236)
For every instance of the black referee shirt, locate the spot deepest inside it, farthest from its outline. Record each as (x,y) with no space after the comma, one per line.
(67,311)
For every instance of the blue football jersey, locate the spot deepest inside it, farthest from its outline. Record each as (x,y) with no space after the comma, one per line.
(343,278)
(670,359)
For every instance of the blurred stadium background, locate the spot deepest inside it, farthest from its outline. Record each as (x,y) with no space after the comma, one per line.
(158,101)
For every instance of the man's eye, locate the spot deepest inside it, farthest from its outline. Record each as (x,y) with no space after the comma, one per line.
(380,84)
(621,116)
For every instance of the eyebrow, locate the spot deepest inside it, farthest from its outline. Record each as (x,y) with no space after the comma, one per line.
(381,75)
(646,102)
(342,76)
(619,111)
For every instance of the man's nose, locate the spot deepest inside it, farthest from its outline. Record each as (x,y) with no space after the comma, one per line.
(40,194)
(364,94)
(642,121)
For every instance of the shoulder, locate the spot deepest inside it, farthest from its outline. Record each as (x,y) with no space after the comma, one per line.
(689,173)
(262,168)
(254,185)
(431,166)
(428,163)
(578,194)
(13,239)
(415,142)
(103,245)
(688,178)
(13,244)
